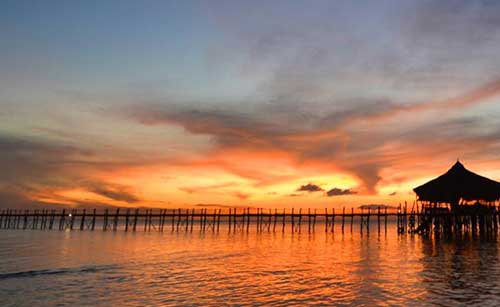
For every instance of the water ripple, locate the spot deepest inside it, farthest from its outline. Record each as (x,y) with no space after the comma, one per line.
(37,273)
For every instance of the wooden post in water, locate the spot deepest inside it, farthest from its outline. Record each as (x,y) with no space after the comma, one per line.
(18,219)
(12,223)
(368,220)
(192,219)
(405,219)
(173,219)
(343,218)
(352,217)
(214,219)
(258,221)
(46,218)
(333,221)
(283,221)
(179,219)
(248,219)
(52,219)
(146,217)
(161,219)
(12,218)
(5,222)
(127,217)
(93,219)
(314,221)
(35,220)
(72,220)
(15,219)
(385,219)
(164,219)
(361,220)
(105,222)
(218,219)
(235,219)
(300,220)
(150,223)
(206,219)
(269,219)
(293,220)
(25,222)
(23,217)
(4,219)
(40,219)
(82,221)
(378,219)
(326,220)
(115,220)
(309,220)
(61,220)
(203,219)
(275,219)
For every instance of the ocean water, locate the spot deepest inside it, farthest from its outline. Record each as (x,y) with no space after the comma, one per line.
(84,268)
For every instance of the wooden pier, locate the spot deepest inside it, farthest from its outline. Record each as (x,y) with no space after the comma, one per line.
(292,220)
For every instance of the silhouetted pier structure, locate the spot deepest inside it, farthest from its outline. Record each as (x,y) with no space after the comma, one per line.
(416,220)
(233,219)
(458,201)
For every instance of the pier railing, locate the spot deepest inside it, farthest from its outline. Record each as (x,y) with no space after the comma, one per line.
(247,219)
(234,219)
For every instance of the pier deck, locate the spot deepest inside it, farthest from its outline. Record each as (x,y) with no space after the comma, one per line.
(245,219)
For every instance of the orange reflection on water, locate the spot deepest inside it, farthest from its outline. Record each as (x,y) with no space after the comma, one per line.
(255,269)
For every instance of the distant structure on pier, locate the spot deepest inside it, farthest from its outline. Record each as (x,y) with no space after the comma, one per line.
(459,199)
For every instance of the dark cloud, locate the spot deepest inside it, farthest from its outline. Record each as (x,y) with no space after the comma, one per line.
(114,192)
(339,192)
(32,167)
(20,200)
(309,188)
(25,160)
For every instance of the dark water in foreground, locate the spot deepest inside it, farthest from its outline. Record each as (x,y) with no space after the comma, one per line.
(52,268)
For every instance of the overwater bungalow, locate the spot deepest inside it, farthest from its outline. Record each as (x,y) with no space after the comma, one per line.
(457,198)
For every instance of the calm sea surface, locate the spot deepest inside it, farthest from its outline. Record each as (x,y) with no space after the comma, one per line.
(53,268)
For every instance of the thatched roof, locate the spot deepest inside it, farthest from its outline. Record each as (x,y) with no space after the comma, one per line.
(459,183)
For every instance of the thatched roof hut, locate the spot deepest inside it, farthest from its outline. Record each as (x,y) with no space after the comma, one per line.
(459,184)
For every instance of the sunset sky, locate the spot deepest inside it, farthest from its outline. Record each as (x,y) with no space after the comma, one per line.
(274,104)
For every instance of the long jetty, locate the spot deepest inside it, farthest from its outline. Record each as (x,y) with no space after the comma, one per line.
(240,219)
